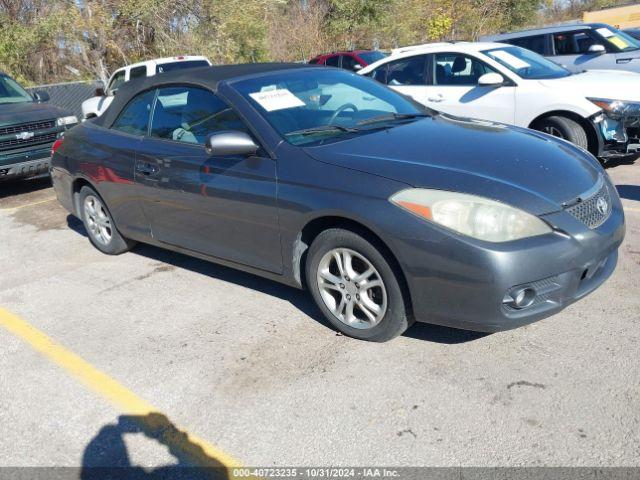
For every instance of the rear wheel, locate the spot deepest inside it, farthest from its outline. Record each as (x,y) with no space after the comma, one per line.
(355,287)
(565,128)
(99,224)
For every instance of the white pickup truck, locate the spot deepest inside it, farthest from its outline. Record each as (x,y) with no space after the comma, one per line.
(94,106)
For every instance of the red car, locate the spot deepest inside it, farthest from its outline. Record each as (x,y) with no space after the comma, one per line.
(351,60)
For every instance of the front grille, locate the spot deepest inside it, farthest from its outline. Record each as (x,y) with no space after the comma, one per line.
(36,140)
(27,127)
(595,210)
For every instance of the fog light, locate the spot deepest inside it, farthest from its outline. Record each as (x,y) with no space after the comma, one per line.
(520,298)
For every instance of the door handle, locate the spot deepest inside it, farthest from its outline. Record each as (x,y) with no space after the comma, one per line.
(437,99)
(146,168)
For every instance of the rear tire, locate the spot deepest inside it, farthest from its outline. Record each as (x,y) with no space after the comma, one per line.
(355,286)
(99,224)
(565,128)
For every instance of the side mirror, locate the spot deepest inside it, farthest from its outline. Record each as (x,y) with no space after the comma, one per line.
(597,49)
(100,92)
(357,67)
(491,80)
(230,142)
(41,96)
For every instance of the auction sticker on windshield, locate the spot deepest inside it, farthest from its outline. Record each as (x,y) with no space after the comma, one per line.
(510,60)
(279,99)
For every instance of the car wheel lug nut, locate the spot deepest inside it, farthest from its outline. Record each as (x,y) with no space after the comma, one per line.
(342,285)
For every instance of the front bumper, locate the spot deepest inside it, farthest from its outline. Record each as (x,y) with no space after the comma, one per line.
(33,162)
(618,137)
(458,282)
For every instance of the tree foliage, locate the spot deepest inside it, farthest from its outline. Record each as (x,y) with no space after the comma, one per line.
(45,41)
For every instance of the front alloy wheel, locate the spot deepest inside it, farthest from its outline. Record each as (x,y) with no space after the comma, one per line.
(351,288)
(356,286)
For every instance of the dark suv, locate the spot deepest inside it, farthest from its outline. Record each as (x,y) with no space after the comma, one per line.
(28,128)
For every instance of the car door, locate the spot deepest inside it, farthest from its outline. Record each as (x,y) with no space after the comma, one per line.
(221,206)
(571,49)
(453,88)
(112,170)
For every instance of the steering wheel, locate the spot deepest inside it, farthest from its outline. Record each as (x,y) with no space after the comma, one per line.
(341,109)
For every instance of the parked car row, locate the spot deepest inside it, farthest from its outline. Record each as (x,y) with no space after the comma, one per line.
(387,211)
(596,110)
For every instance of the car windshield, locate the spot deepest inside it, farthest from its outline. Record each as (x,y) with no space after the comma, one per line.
(372,56)
(315,106)
(11,92)
(526,64)
(619,40)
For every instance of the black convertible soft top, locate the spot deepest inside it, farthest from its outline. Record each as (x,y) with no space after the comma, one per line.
(208,77)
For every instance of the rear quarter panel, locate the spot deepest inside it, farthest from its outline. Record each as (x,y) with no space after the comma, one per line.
(105,159)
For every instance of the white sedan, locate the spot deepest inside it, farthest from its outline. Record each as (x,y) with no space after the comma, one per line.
(598,110)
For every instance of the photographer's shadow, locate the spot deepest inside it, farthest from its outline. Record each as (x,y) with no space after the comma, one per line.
(106,457)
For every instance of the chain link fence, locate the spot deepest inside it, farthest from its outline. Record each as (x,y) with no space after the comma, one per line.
(68,96)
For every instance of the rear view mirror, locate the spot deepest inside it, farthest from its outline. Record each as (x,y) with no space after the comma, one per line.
(597,48)
(230,142)
(491,80)
(41,96)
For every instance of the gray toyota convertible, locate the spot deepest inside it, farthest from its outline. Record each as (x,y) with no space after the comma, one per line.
(321,179)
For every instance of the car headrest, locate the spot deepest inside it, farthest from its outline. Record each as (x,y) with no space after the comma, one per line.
(459,65)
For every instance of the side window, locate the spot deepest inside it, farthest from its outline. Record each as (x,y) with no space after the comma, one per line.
(333,61)
(407,71)
(380,73)
(536,44)
(573,43)
(454,69)
(348,62)
(116,81)
(137,72)
(190,115)
(134,119)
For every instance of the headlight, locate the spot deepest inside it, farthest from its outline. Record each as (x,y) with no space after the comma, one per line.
(470,215)
(617,108)
(71,119)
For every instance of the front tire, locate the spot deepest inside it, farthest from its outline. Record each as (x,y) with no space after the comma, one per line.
(355,286)
(565,128)
(99,224)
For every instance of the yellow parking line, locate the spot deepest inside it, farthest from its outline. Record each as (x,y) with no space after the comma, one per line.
(27,205)
(199,450)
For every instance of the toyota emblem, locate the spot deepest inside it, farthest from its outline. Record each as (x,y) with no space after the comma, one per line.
(602,205)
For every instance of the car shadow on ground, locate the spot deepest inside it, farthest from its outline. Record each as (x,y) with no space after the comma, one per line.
(9,189)
(298,298)
(630,192)
(106,457)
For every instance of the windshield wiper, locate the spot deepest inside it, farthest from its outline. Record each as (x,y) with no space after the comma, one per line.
(391,117)
(323,129)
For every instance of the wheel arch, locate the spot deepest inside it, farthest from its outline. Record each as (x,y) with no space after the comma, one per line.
(76,186)
(317,225)
(593,138)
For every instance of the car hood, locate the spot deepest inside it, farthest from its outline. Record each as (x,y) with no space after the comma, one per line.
(520,167)
(14,113)
(609,84)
